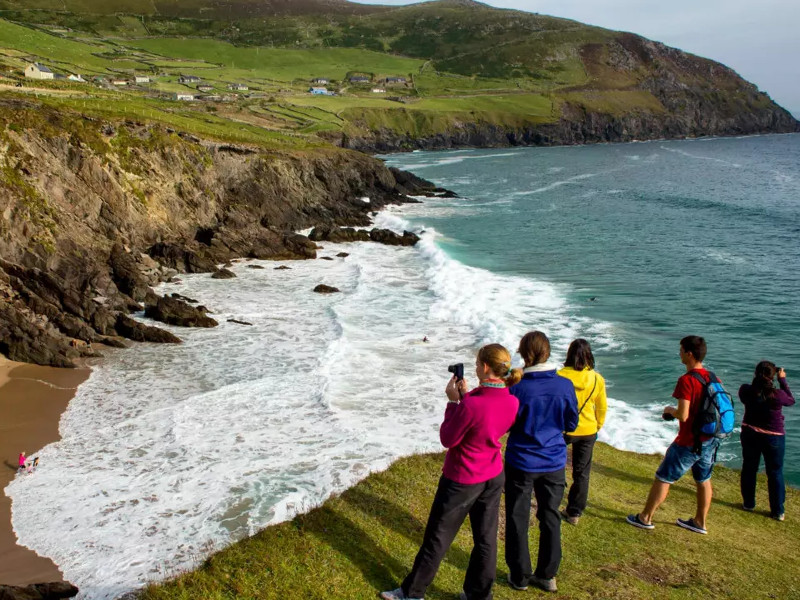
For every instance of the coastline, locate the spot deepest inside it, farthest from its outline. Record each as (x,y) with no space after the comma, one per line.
(32,400)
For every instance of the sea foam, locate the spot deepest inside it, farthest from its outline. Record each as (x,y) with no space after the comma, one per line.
(171,452)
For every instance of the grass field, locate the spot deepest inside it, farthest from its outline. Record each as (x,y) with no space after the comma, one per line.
(365,541)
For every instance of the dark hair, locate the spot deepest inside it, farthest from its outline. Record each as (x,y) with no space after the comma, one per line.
(762,382)
(534,348)
(579,355)
(694,345)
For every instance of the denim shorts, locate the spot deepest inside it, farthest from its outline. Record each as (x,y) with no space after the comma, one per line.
(680,459)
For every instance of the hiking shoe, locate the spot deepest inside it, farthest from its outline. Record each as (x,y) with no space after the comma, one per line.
(521,585)
(395,595)
(548,585)
(748,508)
(565,516)
(691,526)
(779,517)
(637,522)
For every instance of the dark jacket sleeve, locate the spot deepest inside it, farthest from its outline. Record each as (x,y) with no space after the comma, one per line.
(784,395)
(571,410)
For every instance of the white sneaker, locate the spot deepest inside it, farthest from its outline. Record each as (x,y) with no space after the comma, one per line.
(396,595)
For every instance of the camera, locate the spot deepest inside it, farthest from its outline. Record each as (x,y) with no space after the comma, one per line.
(457,370)
(667,416)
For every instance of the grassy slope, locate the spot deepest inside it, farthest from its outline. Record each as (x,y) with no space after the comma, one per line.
(365,540)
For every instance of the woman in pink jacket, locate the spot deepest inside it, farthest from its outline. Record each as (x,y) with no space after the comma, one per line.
(472,477)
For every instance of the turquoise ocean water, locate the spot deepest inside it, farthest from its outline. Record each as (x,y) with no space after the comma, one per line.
(669,238)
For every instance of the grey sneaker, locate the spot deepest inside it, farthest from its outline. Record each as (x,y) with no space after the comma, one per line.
(565,516)
(521,585)
(548,585)
(779,517)
(395,595)
(748,508)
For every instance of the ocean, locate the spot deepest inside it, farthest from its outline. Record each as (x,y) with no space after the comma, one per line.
(170,452)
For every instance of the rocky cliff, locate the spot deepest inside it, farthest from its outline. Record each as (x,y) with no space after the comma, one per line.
(93,213)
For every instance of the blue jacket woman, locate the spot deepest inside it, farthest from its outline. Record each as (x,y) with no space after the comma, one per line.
(536,457)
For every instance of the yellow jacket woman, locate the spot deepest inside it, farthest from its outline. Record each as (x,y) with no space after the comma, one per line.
(590,388)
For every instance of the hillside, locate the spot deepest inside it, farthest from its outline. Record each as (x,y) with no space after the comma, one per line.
(464,73)
(365,540)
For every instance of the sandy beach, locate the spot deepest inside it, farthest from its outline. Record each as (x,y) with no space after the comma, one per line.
(32,399)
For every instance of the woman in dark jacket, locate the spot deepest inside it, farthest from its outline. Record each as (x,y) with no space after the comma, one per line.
(536,457)
(763,434)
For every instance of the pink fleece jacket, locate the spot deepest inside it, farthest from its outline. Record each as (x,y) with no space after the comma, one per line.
(471,432)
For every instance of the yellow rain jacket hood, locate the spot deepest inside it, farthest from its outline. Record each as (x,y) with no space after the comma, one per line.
(590,388)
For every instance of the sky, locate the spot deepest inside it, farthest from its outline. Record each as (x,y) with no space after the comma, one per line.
(759,40)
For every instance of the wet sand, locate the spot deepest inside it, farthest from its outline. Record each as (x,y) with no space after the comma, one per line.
(32,399)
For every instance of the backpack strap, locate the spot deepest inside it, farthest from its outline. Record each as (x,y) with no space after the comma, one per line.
(585,402)
(698,443)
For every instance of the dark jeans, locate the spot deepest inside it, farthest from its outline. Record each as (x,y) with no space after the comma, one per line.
(453,502)
(772,447)
(582,449)
(549,490)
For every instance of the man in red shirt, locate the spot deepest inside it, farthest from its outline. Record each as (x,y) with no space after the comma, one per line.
(681,455)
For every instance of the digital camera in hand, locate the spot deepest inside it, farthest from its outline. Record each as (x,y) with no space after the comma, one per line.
(457,370)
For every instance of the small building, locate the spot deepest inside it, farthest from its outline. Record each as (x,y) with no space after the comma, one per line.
(204,87)
(185,97)
(396,80)
(76,78)
(359,79)
(141,79)
(211,98)
(119,82)
(378,91)
(37,71)
(320,91)
(188,79)
(320,81)
(238,87)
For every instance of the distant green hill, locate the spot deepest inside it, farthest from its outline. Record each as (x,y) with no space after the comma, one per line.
(438,74)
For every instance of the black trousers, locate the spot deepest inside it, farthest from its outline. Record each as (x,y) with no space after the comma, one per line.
(549,490)
(582,449)
(453,502)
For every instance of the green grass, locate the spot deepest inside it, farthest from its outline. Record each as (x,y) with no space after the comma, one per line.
(365,541)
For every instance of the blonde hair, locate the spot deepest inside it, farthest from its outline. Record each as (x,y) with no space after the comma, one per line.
(534,348)
(498,359)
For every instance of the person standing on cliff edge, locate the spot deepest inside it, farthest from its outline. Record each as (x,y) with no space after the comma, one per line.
(681,455)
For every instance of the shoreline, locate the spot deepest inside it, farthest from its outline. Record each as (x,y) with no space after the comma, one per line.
(32,400)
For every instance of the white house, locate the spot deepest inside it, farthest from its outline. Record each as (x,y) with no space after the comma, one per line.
(320,81)
(378,91)
(188,79)
(238,87)
(185,97)
(37,71)
(76,78)
(141,79)
(119,82)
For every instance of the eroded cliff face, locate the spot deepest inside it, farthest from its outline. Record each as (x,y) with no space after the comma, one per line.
(92,213)
(637,89)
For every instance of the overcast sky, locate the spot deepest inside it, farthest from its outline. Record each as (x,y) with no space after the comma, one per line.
(760,40)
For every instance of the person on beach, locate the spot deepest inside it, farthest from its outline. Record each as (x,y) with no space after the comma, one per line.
(22,461)
(472,477)
(536,458)
(681,454)
(590,388)
(763,433)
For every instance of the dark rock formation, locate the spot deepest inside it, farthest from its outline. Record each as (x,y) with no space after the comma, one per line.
(254,267)
(139,332)
(283,268)
(223,274)
(343,254)
(177,312)
(325,258)
(326,289)
(39,591)
(390,238)
(338,234)
(238,322)
(184,298)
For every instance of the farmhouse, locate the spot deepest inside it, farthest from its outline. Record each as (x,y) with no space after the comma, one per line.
(37,71)
(359,79)
(204,87)
(238,87)
(396,80)
(119,82)
(320,81)
(320,91)
(188,79)
(76,78)
(378,91)
(141,79)
(185,97)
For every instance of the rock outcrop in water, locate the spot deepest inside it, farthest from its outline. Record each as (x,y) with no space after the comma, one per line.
(38,591)
(92,214)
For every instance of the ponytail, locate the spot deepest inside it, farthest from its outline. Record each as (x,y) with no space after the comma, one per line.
(498,359)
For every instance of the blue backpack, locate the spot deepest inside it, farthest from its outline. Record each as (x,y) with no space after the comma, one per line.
(715,417)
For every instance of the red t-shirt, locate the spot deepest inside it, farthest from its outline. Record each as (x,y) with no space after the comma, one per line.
(689,388)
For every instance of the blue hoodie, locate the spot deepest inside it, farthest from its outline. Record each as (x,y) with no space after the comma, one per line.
(547,408)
